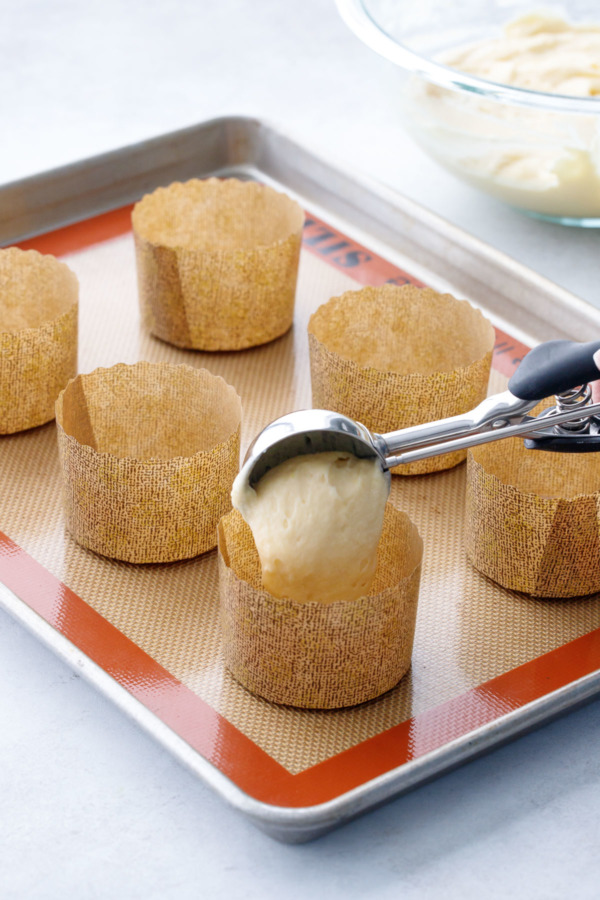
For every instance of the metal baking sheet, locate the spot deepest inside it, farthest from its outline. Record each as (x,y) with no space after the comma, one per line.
(296,774)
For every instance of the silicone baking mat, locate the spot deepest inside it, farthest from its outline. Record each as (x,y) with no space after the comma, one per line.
(480,651)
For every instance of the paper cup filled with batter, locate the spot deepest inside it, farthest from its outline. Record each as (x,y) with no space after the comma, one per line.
(319,655)
(391,357)
(38,336)
(148,454)
(217,262)
(533,518)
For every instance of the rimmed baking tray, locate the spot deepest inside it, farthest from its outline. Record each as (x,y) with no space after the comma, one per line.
(488,664)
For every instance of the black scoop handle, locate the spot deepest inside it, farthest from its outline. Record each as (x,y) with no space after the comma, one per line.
(553,368)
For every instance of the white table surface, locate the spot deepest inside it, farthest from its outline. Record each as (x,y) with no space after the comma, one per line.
(91,807)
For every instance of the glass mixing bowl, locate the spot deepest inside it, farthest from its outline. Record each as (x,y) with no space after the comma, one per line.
(539,152)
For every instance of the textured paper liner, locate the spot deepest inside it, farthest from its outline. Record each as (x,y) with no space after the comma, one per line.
(533,519)
(38,336)
(315,655)
(217,262)
(391,357)
(148,454)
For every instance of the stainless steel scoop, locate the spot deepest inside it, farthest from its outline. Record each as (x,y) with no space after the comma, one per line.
(556,367)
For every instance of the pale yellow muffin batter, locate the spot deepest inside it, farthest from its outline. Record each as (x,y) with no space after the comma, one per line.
(542,160)
(540,52)
(316,521)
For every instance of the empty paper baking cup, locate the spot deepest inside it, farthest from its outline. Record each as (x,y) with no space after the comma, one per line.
(38,336)
(217,263)
(315,655)
(533,518)
(149,453)
(392,357)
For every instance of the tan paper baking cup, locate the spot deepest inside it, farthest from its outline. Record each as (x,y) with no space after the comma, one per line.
(148,453)
(217,263)
(38,336)
(391,357)
(533,518)
(311,654)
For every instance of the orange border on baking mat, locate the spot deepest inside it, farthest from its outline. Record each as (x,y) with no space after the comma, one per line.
(204,729)
(234,754)
(82,234)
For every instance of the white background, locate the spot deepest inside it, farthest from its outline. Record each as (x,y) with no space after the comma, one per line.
(89,806)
